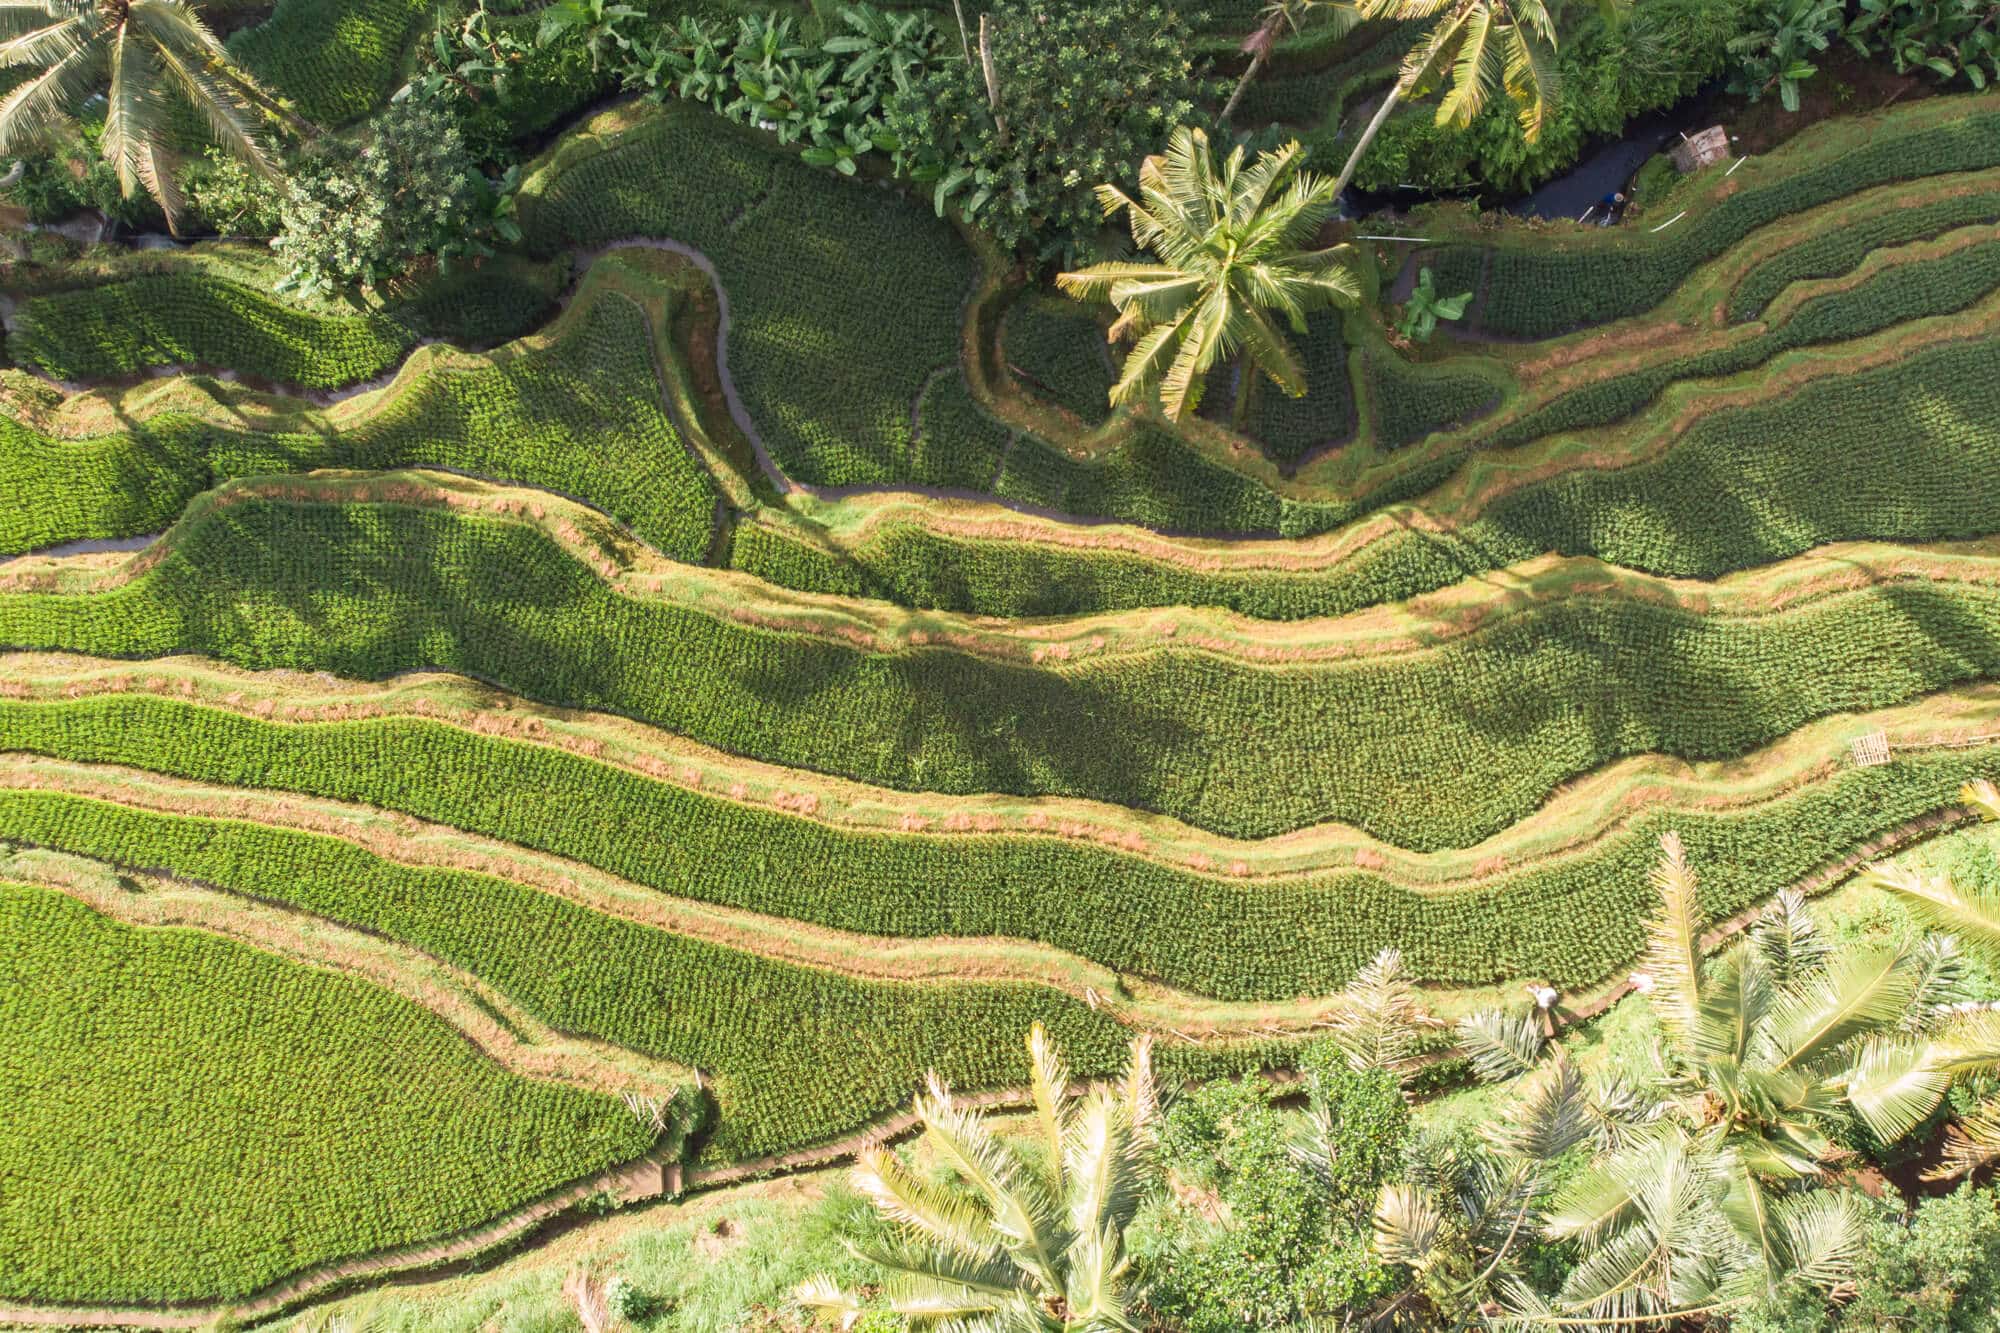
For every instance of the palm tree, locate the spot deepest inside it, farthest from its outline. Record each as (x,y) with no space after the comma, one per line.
(146,56)
(1026,1239)
(1474,45)
(1339,16)
(1704,1196)
(1913,1078)
(1764,1051)
(1230,244)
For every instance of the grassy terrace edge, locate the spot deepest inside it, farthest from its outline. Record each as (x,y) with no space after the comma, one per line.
(1142,898)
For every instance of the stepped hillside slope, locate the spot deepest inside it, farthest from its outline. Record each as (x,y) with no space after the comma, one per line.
(613,715)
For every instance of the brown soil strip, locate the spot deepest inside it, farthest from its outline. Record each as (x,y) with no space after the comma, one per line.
(495,1025)
(1576,818)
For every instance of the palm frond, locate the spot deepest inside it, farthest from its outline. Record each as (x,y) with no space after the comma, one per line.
(1020,1210)
(1531,76)
(1821,1231)
(938,1215)
(1500,1046)
(1863,990)
(1970,1143)
(822,1295)
(1551,1117)
(182,46)
(1939,986)
(1476,68)
(1048,1082)
(1894,1086)
(1936,902)
(36,107)
(1408,1221)
(1736,998)
(1589,1207)
(1788,938)
(1379,1015)
(1673,943)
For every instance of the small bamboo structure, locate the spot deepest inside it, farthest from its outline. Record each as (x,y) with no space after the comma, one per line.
(1696,151)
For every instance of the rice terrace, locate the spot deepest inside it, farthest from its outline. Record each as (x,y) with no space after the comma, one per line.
(1002,665)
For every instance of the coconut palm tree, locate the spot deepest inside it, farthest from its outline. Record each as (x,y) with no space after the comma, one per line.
(1704,1191)
(1914,1077)
(1030,1237)
(1230,243)
(1339,17)
(146,57)
(1764,1051)
(1473,47)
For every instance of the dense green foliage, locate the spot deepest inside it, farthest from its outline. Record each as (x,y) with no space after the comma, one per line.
(1575,922)
(190,1119)
(1938,1267)
(1540,291)
(1612,71)
(1081,93)
(359,210)
(1293,1243)
(335,60)
(581,415)
(764,1033)
(830,340)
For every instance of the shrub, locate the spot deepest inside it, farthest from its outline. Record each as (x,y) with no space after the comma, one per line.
(1082,93)
(360,211)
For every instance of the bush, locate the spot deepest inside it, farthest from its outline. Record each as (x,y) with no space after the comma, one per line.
(362,210)
(1292,1243)
(1085,92)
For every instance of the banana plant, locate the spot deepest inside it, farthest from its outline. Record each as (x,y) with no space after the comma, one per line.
(1778,50)
(1947,37)
(690,64)
(840,149)
(600,24)
(765,44)
(1426,308)
(880,44)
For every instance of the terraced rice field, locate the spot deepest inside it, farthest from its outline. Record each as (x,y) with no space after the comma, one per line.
(745,666)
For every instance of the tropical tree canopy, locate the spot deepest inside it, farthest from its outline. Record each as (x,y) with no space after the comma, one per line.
(1966,1042)
(1473,48)
(1231,242)
(147,57)
(1705,1187)
(1027,1236)
(1765,1051)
